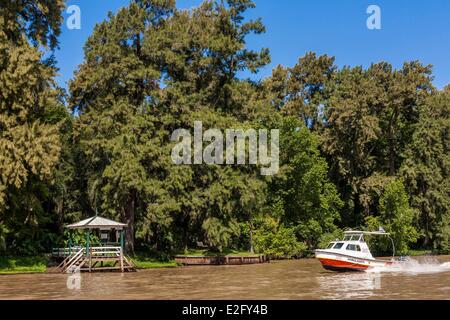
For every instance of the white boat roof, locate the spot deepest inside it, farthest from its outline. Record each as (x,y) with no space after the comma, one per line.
(96,222)
(379,233)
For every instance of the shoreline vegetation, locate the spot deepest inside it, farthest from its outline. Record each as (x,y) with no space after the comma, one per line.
(39,264)
(363,147)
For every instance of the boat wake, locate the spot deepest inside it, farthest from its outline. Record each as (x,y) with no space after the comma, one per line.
(414,266)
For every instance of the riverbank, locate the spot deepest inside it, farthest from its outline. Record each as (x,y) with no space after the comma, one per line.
(15,265)
(40,264)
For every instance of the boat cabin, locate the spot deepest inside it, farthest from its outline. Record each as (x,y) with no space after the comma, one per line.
(351,253)
(353,244)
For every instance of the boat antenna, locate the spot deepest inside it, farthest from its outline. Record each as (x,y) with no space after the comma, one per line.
(393,247)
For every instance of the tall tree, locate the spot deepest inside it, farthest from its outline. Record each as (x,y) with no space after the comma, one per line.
(201,52)
(399,95)
(145,77)
(29,140)
(369,119)
(110,92)
(300,91)
(302,196)
(426,171)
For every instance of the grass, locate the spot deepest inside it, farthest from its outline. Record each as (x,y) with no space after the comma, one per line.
(145,261)
(149,263)
(416,253)
(12,265)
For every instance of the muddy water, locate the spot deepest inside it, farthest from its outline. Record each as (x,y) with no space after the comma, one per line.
(421,278)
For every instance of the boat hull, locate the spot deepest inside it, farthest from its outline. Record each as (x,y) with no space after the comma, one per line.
(340,262)
(339,265)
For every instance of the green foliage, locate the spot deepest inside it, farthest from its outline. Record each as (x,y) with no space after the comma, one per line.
(219,235)
(396,217)
(126,116)
(302,194)
(3,232)
(396,213)
(379,246)
(369,117)
(326,238)
(426,172)
(274,239)
(79,238)
(299,91)
(38,20)
(30,144)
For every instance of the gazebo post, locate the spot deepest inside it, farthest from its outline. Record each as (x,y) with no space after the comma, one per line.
(70,242)
(121,249)
(121,239)
(88,245)
(88,236)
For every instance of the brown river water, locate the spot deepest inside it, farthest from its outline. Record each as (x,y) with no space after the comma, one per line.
(420,278)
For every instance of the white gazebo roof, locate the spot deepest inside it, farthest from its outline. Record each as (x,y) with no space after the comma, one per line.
(97,223)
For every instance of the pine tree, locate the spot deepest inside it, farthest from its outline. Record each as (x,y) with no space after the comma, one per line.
(29,143)
(300,90)
(426,171)
(127,115)
(369,119)
(110,93)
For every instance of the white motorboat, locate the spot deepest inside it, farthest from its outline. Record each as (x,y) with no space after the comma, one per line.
(352,253)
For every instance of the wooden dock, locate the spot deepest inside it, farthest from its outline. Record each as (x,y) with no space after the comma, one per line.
(220,260)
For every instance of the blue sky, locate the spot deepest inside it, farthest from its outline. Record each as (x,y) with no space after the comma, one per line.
(411,30)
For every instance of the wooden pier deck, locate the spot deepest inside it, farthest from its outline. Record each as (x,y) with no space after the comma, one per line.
(220,260)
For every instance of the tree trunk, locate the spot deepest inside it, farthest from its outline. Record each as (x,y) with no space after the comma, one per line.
(392,157)
(251,234)
(129,218)
(391,142)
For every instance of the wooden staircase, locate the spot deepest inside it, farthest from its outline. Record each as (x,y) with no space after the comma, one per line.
(89,261)
(73,261)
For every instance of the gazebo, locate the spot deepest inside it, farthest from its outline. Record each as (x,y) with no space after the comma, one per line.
(87,257)
(98,223)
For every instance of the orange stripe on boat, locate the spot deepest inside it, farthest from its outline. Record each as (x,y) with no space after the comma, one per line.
(342,264)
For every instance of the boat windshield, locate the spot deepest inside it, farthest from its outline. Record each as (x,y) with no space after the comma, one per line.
(352,237)
(353,247)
